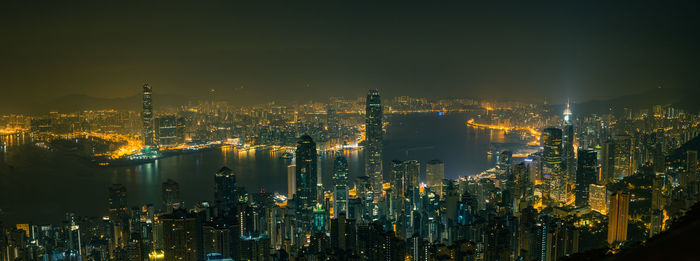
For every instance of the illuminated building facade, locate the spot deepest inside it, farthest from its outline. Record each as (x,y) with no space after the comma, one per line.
(306,172)
(225,192)
(586,174)
(171,195)
(623,156)
(435,173)
(166,130)
(552,164)
(291,181)
(182,237)
(618,217)
(340,185)
(568,145)
(597,198)
(147,116)
(118,215)
(373,140)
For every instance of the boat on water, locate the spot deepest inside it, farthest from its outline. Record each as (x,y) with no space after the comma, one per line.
(286,155)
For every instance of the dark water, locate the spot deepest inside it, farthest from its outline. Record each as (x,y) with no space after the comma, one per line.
(38,186)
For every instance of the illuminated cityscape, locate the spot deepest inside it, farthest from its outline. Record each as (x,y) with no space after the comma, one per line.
(307,137)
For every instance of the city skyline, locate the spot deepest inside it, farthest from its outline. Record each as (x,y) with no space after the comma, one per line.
(360,131)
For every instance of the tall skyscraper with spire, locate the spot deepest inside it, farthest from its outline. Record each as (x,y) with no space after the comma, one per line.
(147,116)
(373,141)
(568,151)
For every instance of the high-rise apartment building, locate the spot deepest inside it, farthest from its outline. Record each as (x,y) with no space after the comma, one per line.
(618,217)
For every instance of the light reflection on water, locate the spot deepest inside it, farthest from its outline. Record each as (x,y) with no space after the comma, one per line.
(39,186)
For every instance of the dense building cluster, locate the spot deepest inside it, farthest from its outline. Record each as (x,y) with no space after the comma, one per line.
(595,181)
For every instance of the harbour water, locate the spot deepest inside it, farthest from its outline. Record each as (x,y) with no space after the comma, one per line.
(40,186)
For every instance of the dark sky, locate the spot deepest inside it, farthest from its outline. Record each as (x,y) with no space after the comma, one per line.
(303,49)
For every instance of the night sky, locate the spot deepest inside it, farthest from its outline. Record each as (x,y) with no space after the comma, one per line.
(301,50)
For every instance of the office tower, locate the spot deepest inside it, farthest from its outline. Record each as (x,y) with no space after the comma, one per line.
(607,163)
(319,222)
(166,130)
(218,237)
(340,185)
(225,192)
(597,198)
(182,237)
(319,182)
(333,126)
(373,141)
(339,232)
(412,174)
(504,164)
(365,195)
(291,181)
(618,217)
(147,116)
(435,173)
(552,164)
(306,172)
(586,174)
(180,130)
(523,194)
(399,179)
(623,156)
(118,215)
(255,248)
(171,195)
(568,145)
(117,202)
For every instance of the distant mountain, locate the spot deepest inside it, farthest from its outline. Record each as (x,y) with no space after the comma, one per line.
(682,98)
(686,99)
(80,102)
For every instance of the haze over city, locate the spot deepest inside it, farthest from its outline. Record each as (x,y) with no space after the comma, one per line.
(349,130)
(264,51)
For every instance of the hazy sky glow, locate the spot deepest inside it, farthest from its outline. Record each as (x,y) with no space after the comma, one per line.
(299,49)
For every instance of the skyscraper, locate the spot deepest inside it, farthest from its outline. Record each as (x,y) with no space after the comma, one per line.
(435,173)
(552,164)
(182,236)
(118,215)
(586,174)
(398,178)
(291,181)
(333,125)
(171,195)
(618,216)
(373,141)
(340,185)
(166,130)
(568,145)
(622,156)
(225,192)
(412,174)
(597,198)
(147,116)
(306,158)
